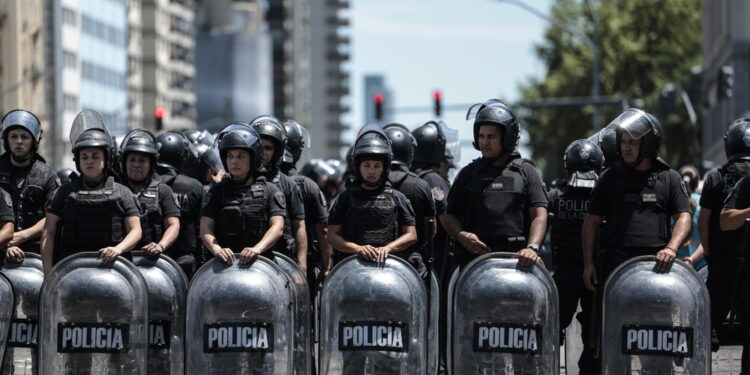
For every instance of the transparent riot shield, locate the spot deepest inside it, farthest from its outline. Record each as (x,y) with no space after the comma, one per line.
(240,319)
(433,329)
(655,322)
(373,319)
(302,343)
(503,319)
(167,291)
(93,318)
(6,313)
(27,277)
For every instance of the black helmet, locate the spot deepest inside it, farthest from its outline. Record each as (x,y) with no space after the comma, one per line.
(321,173)
(240,135)
(639,124)
(193,135)
(25,120)
(297,138)
(203,157)
(64,175)
(606,139)
(737,140)
(372,144)
(402,143)
(270,127)
(173,150)
(431,143)
(139,140)
(583,155)
(88,130)
(496,112)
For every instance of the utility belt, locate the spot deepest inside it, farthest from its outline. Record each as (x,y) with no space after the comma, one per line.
(507,244)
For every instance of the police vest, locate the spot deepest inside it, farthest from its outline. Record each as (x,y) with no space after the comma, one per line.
(640,218)
(571,206)
(91,220)
(187,240)
(729,174)
(31,199)
(497,210)
(243,219)
(406,183)
(151,215)
(285,244)
(370,219)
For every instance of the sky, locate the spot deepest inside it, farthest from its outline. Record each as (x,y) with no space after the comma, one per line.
(470,50)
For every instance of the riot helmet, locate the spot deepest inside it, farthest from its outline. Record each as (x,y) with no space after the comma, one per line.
(606,139)
(402,143)
(64,174)
(193,135)
(269,127)
(584,160)
(240,135)
(173,150)
(737,140)
(143,141)
(22,119)
(496,112)
(297,138)
(372,144)
(639,124)
(88,130)
(431,142)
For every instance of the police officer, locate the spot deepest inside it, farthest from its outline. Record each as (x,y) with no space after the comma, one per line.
(417,191)
(173,151)
(636,196)
(92,212)
(370,218)
(25,175)
(316,207)
(160,214)
(293,242)
(732,218)
(567,207)
(7,220)
(718,246)
(243,213)
(497,202)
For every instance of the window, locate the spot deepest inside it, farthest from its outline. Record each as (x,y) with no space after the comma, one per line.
(70,103)
(70,60)
(69,17)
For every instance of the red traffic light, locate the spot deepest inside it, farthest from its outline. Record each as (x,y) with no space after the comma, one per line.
(437,95)
(159,112)
(379,98)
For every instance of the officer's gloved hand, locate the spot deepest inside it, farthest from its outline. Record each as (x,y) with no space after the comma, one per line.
(109,254)
(664,258)
(14,254)
(527,257)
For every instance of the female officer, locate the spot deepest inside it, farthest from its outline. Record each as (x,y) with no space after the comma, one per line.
(243,213)
(371,218)
(159,213)
(92,212)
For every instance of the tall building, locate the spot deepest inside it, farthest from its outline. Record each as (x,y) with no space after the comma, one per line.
(135,65)
(168,35)
(329,80)
(726,67)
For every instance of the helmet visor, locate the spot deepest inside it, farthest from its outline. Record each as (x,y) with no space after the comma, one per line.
(501,110)
(141,136)
(452,143)
(633,122)
(24,119)
(84,121)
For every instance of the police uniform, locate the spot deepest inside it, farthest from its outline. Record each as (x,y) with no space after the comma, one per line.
(493,203)
(189,194)
(316,212)
(91,218)
(371,217)
(242,212)
(157,202)
(419,194)
(295,211)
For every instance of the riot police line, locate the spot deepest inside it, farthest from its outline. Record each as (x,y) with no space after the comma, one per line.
(249,310)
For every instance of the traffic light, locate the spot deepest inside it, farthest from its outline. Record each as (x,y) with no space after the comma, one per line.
(378,98)
(158,116)
(726,81)
(437,96)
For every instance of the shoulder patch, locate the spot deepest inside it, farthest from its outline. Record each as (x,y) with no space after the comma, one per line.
(279,199)
(176,201)
(438,193)
(323,199)
(8,200)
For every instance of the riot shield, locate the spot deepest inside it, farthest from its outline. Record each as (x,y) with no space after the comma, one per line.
(302,344)
(433,330)
(6,313)
(167,290)
(240,320)
(373,319)
(655,322)
(503,318)
(93,318)
(27,277)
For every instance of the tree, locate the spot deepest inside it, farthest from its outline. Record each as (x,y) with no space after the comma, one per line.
(644,45)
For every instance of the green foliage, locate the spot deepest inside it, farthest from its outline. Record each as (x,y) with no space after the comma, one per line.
(644,45)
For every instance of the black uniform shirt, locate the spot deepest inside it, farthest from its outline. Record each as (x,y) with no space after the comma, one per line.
(439,188)
(275,204)
(6,207)
(189,194)
(739,199)
(294,205)
(337,215)
(316,207)
(716,187)
(421,201)
(128,202)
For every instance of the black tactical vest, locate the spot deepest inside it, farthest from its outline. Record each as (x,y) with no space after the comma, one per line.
(151,215)
(571,206)
(91,220)
(720,241)
(498,212)
(243,219)
(285,244)
(406,183)
(29,207)
(371,219)
(640,218)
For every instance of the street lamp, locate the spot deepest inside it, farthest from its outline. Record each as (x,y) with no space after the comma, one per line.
(592,44)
